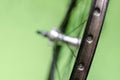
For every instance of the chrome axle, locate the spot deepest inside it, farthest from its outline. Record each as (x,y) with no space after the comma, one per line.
(54,35)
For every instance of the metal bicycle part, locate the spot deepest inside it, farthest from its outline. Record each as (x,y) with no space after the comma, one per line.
(56,36)
(90,40)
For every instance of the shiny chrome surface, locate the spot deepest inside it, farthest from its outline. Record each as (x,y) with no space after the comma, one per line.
(56,36)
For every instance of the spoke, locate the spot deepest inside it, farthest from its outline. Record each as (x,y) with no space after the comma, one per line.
(65,22)
(54,61)
(58,72)
(68,66)
(71,50)
(77,27)
(80,30)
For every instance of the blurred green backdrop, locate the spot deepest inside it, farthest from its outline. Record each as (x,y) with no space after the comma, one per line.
(24,55)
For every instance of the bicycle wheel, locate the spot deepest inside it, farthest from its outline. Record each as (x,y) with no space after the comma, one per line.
(73,25)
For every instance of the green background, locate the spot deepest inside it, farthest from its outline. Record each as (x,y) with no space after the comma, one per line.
(24,55)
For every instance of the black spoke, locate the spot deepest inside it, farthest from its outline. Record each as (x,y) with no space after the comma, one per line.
(71,50)
(69,62)
(58,72)
(76,28)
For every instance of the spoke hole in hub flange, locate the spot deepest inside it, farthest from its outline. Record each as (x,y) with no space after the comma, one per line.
(97,11)
(80,67)
(90,39)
